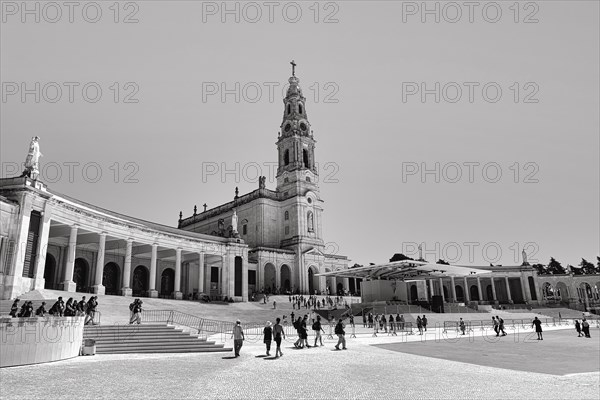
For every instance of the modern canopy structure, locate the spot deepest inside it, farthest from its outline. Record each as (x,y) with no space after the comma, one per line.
(406,270)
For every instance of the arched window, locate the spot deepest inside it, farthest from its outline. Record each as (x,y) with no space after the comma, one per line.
(310,221)
(286,157)
(305,158)
(289,109)
(286,215)
(308,179)
(300,108)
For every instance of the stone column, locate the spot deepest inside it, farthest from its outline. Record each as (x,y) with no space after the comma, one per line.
(152,292)
(126,289)
(68,284)
(245,279)
(177,285)
(494,289)
(200,272)
(98,287)
(222,276)
(525,288)
(510,300)
(467,293)
(479,291)
(442,290)
(277,277)
(230,274)
(453,289)
(346,284)
(431,289)
(40,264)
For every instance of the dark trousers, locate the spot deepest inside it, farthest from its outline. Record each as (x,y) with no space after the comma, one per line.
(237,346)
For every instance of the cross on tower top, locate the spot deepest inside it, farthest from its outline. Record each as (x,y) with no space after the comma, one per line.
(293,67)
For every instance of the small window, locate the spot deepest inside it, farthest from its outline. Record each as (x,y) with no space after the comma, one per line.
(286,194)
(289,109)
(308,179)
(305,158)
(286,215)
(309,200)
(300,108)
(287,230)
(286,180)
(244,229)
(286,157)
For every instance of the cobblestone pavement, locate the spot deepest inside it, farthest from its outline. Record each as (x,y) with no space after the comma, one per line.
(362,371)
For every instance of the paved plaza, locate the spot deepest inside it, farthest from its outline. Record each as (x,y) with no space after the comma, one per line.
(561,366)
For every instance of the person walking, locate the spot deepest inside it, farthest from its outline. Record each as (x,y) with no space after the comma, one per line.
(496,326)
(339,331)
(578,328)
(238,337)
(585,327)
(298,327)
(304,332)
(318,328)
(278,332)
(461,325)
(136,312)
(424,322)
(538,328)
(420,325)
(500,326)
(91,310)
(268,336)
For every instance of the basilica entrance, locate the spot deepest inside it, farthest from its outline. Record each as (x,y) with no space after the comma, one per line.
(167,282)
(110,278)
(140,281)
(49,271)
(270,278)
(286,275)
(80,274)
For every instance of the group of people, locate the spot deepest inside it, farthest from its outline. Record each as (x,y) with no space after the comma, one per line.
(583,327)
(135,312)
(71,308)
(381,323)
(313,302)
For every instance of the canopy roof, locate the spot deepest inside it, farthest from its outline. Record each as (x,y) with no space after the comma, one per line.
(406,270)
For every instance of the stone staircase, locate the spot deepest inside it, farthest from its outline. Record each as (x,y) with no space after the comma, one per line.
(147,338)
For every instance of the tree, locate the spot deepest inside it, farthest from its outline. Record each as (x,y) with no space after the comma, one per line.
(540,268)
(587,267)
(440,261)
(554,267)
(597,265)
(400,257)
(356,265)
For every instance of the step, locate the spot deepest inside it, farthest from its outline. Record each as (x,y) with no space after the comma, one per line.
(172,350)
(172,340)
(133,334)
(161,345)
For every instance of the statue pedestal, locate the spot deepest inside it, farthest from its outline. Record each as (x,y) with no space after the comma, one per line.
(178,296)
(153,294)
(126,292)
(99,289)
(69,286)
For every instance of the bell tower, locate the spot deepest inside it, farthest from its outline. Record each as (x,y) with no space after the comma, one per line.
(297,171)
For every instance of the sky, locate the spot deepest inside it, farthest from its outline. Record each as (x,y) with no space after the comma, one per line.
(471,131)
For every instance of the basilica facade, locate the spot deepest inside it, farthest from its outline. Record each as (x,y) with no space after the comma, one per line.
(265,240)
